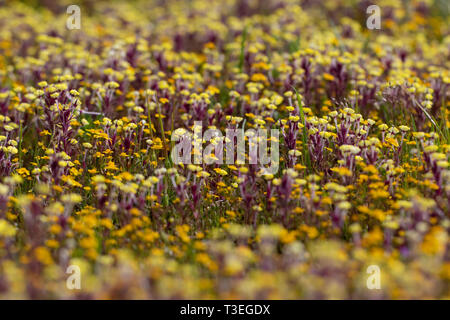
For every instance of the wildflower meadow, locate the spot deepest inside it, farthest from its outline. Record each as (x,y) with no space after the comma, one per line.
(225,149)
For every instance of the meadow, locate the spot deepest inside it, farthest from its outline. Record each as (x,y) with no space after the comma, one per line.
(88,186)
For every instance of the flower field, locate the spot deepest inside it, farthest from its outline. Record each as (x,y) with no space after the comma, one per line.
(88,119)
